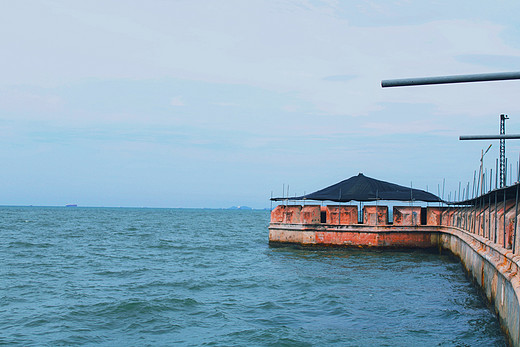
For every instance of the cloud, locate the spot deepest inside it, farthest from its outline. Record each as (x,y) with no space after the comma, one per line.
(279,84)
(225,104)
(177,101)
(20,99)
(339,78)
(509,62)
(296,47)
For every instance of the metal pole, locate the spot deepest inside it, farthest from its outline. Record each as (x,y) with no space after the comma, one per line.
(489,211)
(489,217)
(479,187)
(490,137)
(496,174)
(477,231)
(496,220)
(474,179)
(504,231)
(505,173)
(516,219)
(503,165)
(377,205)
(474,219)
(518,177)
(339,209)
(481,213)
(498,76)
(467,210)
(483,190)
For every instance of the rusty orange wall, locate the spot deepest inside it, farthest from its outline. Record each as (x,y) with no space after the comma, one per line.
(347,214)
(433,215)
(412,239)
(370,214)
(277,214)
(292,214)
(310,214)
(480,220)
(447,216)
(407,215)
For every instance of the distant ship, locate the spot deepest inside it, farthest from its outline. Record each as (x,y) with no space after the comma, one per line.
(71,205)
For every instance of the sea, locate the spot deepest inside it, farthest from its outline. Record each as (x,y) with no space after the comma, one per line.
(201,277)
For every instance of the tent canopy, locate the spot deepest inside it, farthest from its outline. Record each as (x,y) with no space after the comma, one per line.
(363,188)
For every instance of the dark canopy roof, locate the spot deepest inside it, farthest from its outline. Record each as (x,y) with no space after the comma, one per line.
(363,188)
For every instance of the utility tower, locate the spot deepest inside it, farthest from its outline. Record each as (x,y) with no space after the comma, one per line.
(503,118)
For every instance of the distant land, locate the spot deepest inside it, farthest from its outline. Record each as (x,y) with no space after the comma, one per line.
(240,208)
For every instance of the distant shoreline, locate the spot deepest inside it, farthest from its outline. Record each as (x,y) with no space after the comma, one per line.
(143,207)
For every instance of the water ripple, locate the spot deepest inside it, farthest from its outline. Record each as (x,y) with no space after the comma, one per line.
(207,277)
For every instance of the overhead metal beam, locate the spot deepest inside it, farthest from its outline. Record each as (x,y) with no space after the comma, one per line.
(497,76)
(489,137)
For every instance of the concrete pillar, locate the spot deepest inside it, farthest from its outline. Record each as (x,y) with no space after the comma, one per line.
(344,215)
(433,215)
(292,214)
(375,215)
(277,214)
(407,215)
(310,214)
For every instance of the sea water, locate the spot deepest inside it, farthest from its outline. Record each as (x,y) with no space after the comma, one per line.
(122,276)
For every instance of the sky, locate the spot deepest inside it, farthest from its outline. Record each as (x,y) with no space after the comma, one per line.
(210,104)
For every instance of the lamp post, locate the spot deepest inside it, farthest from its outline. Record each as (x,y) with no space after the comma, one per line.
(482,169)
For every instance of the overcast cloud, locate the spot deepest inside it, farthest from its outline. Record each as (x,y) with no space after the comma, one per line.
(218,103)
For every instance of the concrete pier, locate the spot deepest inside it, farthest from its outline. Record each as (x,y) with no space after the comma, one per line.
(483,236)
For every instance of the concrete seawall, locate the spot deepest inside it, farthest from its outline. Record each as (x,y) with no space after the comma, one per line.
(483,237)
(495,270)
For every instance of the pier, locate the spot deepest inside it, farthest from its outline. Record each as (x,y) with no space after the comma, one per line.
(482,232)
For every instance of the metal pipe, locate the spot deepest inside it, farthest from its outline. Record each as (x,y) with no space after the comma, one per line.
(489,205)
(496,217)
(474,179)
(489,218)
(489,137)
(505,174)
(516,219)
(504,230)
(479,215)
(496,175)
(417,81)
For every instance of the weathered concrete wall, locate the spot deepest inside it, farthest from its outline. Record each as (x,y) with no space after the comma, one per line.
(310,214)
(495,269)
(337,214)
(375,215)
(407,215)
(353,235)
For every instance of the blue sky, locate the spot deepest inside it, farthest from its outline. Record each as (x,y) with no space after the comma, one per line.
(218,103)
